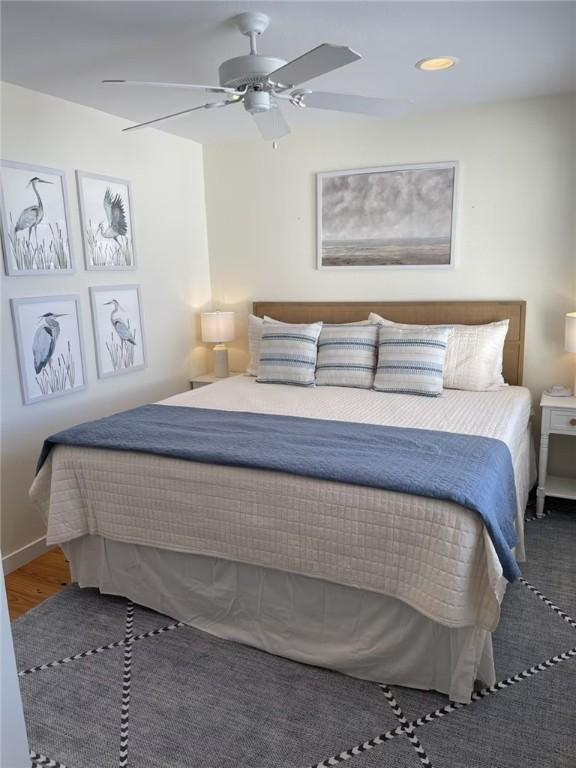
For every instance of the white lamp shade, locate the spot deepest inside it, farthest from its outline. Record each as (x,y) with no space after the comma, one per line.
(570,332)
(217,327)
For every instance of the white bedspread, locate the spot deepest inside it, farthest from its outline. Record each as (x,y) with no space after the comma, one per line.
(435,556)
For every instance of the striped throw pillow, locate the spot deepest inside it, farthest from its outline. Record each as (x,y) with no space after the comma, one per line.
(347,355)
(411,362)
(288,354)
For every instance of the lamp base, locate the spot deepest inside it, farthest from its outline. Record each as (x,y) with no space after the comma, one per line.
(220,361)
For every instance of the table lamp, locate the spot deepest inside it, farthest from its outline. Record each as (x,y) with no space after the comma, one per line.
(570,338)
(218,327)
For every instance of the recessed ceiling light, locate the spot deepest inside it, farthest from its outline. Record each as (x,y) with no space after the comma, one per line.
(437,64)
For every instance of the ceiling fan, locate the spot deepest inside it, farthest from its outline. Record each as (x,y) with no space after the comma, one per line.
(260,83)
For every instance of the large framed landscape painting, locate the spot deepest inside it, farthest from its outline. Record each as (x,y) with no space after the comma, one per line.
(34,219)
(48,331)
(395,217)
(107,222)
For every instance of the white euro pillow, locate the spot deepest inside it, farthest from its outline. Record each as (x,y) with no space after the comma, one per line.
(255,325)
(474,355)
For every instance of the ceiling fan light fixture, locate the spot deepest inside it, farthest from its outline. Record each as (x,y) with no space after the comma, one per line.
(437,63)
(256,101)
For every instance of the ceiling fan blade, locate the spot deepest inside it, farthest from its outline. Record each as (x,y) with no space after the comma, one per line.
(366,105)
(189,86)
(315,62)
(213,105)
(272,124)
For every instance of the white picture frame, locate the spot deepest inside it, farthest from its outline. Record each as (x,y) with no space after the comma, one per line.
(34,220)
(390,217)
(118,329)
(107,222)
(49,348)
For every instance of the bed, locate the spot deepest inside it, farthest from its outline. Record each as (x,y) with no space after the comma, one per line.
(377,584)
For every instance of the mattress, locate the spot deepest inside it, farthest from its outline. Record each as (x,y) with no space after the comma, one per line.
(435,556)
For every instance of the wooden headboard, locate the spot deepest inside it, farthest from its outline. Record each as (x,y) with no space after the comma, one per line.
(417,312)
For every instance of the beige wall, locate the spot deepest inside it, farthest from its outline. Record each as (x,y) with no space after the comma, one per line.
(515,236)
(170,230)
(515,230)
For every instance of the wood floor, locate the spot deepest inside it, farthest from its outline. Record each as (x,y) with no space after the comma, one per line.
(33,583)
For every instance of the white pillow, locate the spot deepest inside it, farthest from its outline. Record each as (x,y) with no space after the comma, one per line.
(254,339)
(474,355)
(255,326)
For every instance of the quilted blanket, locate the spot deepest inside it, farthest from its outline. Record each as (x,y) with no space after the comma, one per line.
(473,471)
(433,555)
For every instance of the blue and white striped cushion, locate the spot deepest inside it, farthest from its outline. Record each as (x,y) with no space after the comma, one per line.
(347,355)
(411,362)
(288,354)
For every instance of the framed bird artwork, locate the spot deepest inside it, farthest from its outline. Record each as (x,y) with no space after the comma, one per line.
(118,329)
(34,220)
(107,222)
(48,331)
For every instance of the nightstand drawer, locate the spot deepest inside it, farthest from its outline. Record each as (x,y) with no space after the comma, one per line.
(563,419)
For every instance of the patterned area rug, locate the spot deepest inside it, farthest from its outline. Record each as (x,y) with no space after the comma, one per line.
(108,684)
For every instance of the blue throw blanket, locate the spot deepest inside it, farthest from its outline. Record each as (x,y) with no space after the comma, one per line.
(475,472)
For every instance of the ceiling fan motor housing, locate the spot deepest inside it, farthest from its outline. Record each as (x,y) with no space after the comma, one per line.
(248,70)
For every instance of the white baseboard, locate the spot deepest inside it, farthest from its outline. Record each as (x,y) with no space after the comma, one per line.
(24,555)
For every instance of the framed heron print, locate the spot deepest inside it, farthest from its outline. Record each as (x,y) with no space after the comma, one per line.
(394,217)
(34,220)
(118,329)
(48,332)
(107,222)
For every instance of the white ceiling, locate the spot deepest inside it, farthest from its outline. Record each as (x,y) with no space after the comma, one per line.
(508,50)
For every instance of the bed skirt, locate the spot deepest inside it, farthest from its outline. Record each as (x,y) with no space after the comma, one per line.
(360,633)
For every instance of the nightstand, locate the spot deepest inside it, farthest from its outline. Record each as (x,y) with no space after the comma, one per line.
(208,378)
(558,418)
